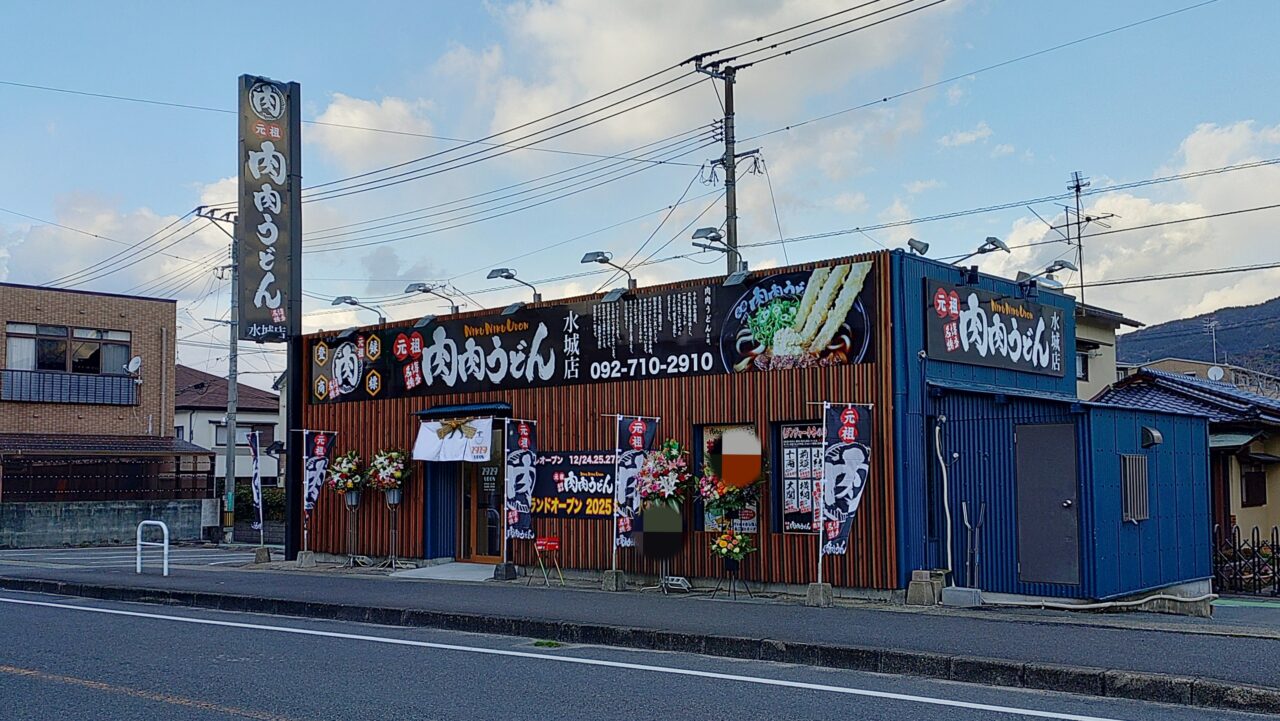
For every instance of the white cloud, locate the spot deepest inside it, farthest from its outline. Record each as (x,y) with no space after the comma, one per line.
(919,186)
(361,150)
(850,202)
(966,137)
(1002,150)
(897,211)
(1188,246)
(955,94)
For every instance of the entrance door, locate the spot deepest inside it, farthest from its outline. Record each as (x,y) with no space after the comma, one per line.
(1048,516)
(481,513)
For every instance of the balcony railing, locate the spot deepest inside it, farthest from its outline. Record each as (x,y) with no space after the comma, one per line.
(52,387)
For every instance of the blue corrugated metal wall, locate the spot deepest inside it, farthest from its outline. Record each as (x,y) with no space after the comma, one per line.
(1174,544)
(910,397)
(440,509)
(981,429)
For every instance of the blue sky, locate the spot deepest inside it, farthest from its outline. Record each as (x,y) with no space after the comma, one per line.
(1182,93)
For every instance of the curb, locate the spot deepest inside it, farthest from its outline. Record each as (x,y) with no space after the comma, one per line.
(1134,685)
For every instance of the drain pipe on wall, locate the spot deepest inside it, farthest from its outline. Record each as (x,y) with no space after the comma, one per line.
(946,503)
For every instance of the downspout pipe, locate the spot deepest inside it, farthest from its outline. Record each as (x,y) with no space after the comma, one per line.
(946,501)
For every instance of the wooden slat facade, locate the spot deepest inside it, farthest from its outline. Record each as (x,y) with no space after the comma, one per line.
(570,419)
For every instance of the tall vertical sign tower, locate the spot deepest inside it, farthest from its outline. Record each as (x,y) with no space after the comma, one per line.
(269,249)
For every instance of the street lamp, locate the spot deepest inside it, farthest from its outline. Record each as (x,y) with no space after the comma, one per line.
(432,290)
(715,242)
(1030,285)
(510,274)
(990,245)
(606,258)
(351,300)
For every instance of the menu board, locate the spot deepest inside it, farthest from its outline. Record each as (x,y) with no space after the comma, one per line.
(798,319)
(801,470)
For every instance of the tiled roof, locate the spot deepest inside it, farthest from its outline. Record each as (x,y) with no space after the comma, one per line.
(73,445)
(200,390)
(1220,402)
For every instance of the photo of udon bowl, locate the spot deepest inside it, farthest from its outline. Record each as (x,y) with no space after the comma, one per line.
(823,324)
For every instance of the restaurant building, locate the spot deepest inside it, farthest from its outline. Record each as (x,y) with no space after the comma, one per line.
(967,381)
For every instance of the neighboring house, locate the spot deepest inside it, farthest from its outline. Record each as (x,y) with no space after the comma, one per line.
(86,419)
(201,407)
(1244,440)
(1240,377)
(1096,348)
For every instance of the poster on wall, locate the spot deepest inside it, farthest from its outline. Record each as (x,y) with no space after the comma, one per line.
(713,460)
(268,206)
(521,459)
(574,484)
(977,327)
(846,466)
(635,436)
(796,319)
(801,449)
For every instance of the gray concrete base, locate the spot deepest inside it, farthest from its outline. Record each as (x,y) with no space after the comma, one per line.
(306,559)
(959,597)
(504,572)
(262,554)
(925,588)
(614,581)
(818,595)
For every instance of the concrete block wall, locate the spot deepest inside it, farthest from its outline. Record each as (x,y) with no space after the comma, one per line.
(153,325)
(36,525)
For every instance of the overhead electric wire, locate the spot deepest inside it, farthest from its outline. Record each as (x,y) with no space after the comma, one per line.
(760,38)
(164,279)
(682,231)
(99,236)
(1185,274)
(91,268)
(978,71)
(117,266)
(506,187)
(305,121)
(641,247)
(676,150)
(345,245)
(436,169)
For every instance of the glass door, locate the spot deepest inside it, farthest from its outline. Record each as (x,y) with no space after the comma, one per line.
(481,513)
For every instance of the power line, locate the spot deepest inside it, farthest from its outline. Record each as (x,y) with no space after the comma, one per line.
(348,244)
(671,210)
(665,140)
(1186,274)
(979,71)
(599,176)
(99,236)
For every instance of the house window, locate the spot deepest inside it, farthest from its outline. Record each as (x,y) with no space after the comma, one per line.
(180,433)
(268,432)
(1253,489)
(57,348)
(1082,365)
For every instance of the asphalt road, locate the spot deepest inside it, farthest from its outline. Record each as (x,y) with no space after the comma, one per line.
(74,659)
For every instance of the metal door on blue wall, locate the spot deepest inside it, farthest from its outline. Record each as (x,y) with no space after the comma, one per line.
(1048,512)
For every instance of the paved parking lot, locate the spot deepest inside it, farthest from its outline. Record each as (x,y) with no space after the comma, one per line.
(122,557)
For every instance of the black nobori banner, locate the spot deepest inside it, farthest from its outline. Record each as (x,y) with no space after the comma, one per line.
(268,207)
(967,325)
(846,468)
(797,319)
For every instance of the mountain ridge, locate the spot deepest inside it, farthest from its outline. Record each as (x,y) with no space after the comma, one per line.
(1248,336)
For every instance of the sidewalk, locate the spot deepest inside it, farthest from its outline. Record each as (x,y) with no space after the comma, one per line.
(1145,656)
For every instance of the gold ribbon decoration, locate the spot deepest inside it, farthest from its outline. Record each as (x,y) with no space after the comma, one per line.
(461,425)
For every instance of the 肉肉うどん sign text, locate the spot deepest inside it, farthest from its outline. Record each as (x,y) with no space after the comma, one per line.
(967,325)
(797,319)
(268,127)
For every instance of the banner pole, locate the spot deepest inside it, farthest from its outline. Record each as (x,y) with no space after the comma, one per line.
(616,511)
(506,422)
(821,494)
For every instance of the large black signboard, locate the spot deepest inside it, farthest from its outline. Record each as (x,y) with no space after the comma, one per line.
(967,325)
(798,319)
(268,204)
(574,484)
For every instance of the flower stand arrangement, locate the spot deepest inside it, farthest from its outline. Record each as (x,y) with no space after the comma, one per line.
(347,478)
(663,483)
(733,547)
(388,472)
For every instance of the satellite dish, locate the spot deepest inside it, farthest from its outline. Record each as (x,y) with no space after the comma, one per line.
(134,364)
(1215,373)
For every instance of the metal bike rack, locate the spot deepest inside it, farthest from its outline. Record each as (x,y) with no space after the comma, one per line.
(164,544)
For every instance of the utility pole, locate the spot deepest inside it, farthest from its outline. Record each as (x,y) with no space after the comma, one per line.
(233,383)
(1078,184)
(729,161)
(1212,326)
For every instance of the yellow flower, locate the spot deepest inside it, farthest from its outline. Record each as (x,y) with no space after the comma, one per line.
(722,543)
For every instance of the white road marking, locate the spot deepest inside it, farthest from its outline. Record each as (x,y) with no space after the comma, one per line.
(1011,710)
